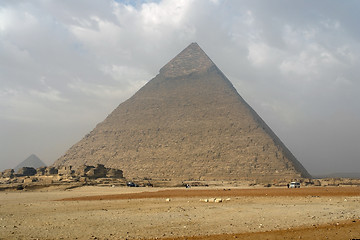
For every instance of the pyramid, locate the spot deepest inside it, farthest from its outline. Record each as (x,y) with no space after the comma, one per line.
(32,161)
(187,123)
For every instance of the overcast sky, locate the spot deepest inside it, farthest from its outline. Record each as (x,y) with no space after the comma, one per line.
(65,65)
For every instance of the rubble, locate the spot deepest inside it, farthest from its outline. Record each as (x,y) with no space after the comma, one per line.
(26,171)
(8,173)
(28,177)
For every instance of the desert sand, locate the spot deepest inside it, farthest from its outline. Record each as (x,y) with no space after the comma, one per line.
(177,213)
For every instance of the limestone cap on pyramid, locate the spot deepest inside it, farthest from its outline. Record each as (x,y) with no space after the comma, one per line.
(191,59)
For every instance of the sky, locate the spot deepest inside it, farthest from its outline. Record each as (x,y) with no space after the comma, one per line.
(65,65)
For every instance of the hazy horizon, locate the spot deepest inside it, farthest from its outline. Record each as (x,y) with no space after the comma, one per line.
(65,65)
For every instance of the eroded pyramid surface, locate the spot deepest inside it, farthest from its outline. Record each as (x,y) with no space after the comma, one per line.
(188,122)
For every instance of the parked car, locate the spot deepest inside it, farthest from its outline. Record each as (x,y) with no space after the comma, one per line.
(131,184)
(294,185)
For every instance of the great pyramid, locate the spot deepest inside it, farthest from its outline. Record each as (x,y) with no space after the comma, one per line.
(187,123)
(32,161)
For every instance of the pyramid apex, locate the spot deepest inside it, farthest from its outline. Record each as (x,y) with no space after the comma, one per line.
(194,43)
(191,59)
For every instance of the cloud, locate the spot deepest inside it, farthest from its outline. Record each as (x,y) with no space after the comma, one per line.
(67,64)
(260,54)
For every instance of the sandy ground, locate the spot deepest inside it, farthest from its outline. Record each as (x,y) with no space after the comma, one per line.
(144,213)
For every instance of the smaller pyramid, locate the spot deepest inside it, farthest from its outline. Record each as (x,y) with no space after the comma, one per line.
(32,161)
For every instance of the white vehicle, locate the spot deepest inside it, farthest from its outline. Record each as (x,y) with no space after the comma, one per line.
(294,185)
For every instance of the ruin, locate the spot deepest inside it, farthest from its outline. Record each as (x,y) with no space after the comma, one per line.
(28,177)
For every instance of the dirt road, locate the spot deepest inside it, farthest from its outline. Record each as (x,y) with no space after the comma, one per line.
(228,192)
(343,230)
